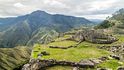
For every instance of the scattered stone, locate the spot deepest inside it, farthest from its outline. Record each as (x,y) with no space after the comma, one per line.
(115,57)
(103,58)
(96,61)
(76,68)
(26,67)
(120,68)
(60,47)
(103,69)
(35,51)
(86,63)
(39,56)
(45,53)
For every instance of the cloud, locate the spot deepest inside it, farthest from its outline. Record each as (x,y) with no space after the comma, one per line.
(92,9)
(19,5)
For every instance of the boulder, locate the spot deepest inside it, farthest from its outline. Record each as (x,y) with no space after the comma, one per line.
(45,53)
(96,61)
(103,58)
(76,68)
(86,64)
(115,57)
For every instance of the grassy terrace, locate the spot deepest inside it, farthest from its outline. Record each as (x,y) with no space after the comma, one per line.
(121,39)
(72,54)
(111,64)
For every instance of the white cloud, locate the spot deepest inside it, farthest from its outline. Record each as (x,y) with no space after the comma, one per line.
(19,5)
(100,16)
(96,5)
(87,8)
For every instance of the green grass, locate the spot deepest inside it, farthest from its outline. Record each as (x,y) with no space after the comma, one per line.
(63,43)
(11,58)
(72,54)
(63,38)
(111,64)
(121,39)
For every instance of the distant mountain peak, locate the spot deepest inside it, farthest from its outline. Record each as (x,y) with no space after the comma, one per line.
(39,12)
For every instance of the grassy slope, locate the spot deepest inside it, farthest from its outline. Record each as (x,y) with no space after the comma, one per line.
(72,54)
(111,64)
(83,51)
(11,58)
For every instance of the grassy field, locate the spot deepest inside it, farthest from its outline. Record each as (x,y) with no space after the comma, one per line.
(121,39)
(111,64)
(72,54)
(63,38)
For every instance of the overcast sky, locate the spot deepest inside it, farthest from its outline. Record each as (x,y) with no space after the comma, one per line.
(91,9)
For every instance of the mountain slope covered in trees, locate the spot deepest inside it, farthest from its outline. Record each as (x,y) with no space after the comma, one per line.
(114,23)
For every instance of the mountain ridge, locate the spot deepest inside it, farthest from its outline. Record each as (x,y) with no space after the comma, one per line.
(20,30)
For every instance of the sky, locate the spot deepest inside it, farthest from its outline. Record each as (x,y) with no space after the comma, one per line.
(90,9)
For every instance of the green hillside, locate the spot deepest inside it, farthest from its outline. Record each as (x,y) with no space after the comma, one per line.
(115,24)
(11,58)
(36,27)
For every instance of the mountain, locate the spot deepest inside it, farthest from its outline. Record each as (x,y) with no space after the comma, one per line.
(36,27)
(115,23)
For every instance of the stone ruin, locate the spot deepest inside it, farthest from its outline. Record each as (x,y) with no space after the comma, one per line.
(117,50)
(93,37)
(38,64)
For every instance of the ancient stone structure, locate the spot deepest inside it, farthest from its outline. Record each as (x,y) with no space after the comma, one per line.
(118,51)
(37,64)
(93,37)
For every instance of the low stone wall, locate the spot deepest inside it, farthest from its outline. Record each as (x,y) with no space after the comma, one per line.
(37,64)
(62,47)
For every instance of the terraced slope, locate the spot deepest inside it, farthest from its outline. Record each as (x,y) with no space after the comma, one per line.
(83,50)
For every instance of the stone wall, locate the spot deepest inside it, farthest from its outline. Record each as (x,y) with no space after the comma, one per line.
(93,37)
(37,64)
